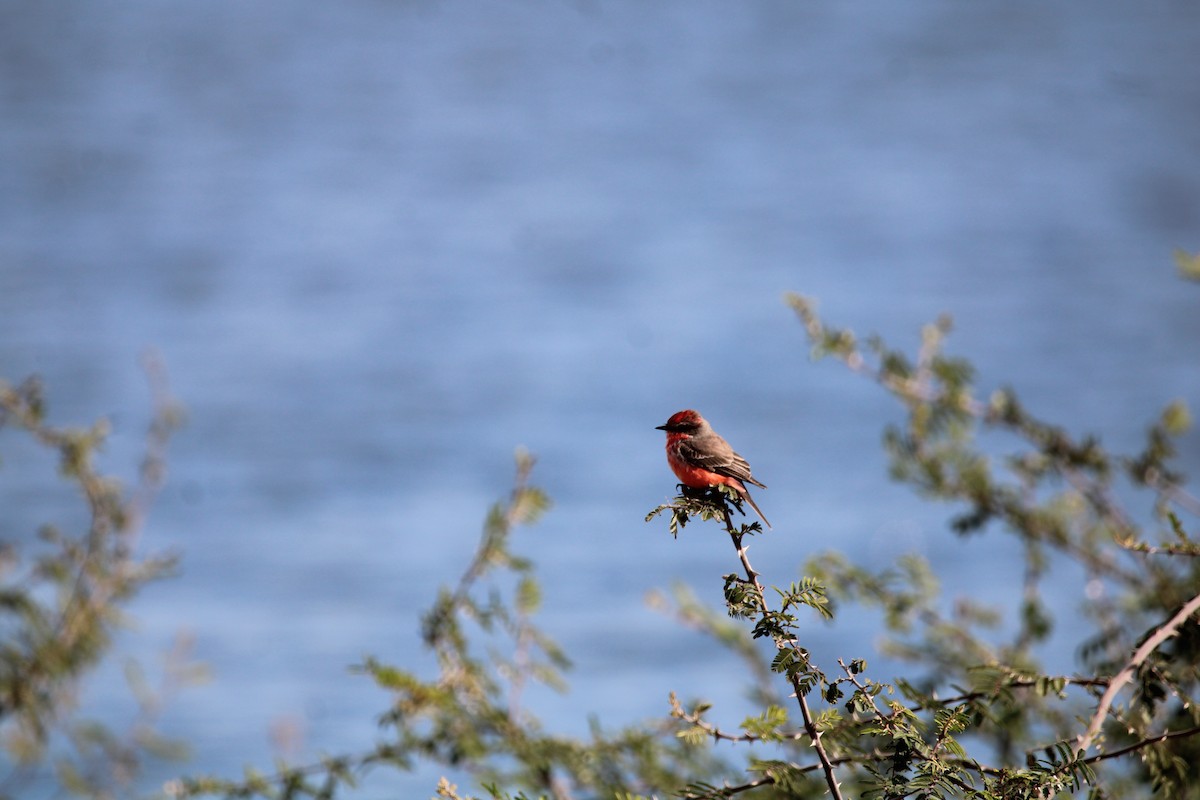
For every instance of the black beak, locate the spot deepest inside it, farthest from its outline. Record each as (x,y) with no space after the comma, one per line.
(660,427)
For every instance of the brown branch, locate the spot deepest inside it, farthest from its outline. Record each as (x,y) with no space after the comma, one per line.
(1021,683)
(730,791)
(767,780)
(1162,737)
(1164,632)
(809,725)
(678,711)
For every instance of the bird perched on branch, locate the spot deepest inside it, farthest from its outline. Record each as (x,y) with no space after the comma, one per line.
(700,458)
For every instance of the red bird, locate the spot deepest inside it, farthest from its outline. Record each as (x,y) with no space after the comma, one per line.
(700,458)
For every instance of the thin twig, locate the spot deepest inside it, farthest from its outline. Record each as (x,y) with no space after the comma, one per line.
(1162,737)
(1187,549)
(1023,683)
(678,711)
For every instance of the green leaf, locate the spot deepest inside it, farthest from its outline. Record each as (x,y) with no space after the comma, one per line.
(528,596)
(1176,418)
(1188,264)
(766,725)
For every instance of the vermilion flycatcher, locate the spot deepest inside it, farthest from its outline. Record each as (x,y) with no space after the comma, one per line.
(700,458)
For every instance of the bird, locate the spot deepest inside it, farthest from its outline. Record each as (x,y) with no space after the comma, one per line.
(700,458)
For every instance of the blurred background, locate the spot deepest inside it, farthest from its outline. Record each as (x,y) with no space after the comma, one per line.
(378,245)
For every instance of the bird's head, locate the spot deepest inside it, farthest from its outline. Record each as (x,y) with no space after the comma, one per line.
(686,421)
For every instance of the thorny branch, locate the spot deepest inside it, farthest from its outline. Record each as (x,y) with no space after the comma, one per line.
(809,725)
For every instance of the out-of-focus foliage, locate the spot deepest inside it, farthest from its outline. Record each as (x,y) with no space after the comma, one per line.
(1126,718)
(62,590)
(975,714)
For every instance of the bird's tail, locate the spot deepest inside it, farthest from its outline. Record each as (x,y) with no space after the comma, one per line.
(746,496)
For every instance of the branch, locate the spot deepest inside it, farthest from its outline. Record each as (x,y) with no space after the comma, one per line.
(1162,737)
(1164,632)
(1134,546)
(1019,683)
(730,791)
(767,780)
(678,711)
(809,725)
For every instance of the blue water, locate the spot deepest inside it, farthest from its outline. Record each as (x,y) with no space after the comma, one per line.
(379,245)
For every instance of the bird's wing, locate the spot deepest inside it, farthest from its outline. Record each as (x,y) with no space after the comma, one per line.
(739,468)
(719,458)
